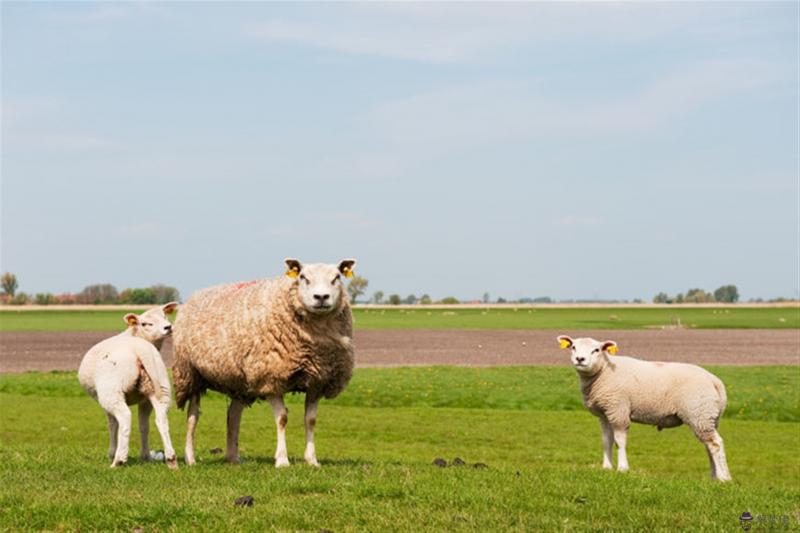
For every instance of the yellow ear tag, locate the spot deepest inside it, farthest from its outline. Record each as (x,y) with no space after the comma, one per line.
(348,273)
(564,343)
(292,273)
(612,350)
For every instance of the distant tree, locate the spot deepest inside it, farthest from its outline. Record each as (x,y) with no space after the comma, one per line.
(9,283)
(486,297)
(542,300)
(20,299)
(678,298)
(425,299)
(357,287)
(165,294)
(98,294)
(698,296)
(44,298)
(661,298)
(727,293)
(449,300)
(394,299)
(66,299)
(501,300)
(410,299)
(377,297)
(138,296)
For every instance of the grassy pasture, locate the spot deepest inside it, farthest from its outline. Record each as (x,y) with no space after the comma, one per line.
(467,318)
(376,443)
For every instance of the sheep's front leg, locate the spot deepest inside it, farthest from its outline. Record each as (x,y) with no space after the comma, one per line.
(608,443)
(144,429)
(310,421)
(112,435)
(281,418)
(192,416)
(162,423)
(234,420)
(621,439)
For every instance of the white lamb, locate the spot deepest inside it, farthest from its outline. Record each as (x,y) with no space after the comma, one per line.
(619,390)
(127,369)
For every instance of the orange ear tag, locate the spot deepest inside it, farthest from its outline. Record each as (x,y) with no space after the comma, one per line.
(348,273)
(292,273)
(612,350)
(564,344)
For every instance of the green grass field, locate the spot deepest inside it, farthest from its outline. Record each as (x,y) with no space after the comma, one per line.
(467,318)
(376,443)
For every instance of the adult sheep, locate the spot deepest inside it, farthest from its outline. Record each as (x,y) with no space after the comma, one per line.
(127,369)
(621,390)
(261,340)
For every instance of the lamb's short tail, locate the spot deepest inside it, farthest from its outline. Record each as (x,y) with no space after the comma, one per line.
(157,371)
(721,394)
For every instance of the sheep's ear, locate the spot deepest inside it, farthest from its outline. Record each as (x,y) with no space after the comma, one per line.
(170,307)
(131,319)
(293,267)
(610,347)
(346,267)
(564,342)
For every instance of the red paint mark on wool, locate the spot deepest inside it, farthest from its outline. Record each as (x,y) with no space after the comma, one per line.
(659,364)
(244,284)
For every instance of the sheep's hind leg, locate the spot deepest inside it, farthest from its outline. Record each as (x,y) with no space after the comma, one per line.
(281,418)
(144,429)
(112,435)
(192,416)
(234,420)
(716,455)
(162,423)
(310,421)
(608,443)
(115,404)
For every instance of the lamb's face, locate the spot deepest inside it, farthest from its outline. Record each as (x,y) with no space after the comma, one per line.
(320,286)
(587,355)
(152,325)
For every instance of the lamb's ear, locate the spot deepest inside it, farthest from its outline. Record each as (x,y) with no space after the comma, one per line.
(564,342)
(346,267)
(293,267)
(610,347)
(169,308)
(131,319)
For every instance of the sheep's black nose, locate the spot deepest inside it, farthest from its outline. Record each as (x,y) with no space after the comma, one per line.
(168,328)
(580,359)
(321,297)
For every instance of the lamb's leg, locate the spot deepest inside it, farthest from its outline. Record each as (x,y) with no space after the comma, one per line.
(162,423)
(608,443)
(716,455)
(234,419)
(144,429)
(310,421)
(113,401)
(112,435)
(621,439)
(192,416)
(281,418)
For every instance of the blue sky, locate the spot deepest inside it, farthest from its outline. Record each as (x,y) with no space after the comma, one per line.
(575,150)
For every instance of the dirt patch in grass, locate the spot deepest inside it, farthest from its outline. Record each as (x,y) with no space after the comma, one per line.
(45,351)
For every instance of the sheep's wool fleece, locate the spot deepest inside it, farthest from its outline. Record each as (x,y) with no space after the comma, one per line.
(256,339)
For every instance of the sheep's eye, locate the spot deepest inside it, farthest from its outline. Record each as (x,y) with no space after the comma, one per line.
(305,279)
(337,278)
(573,348)
(146,324)
(595,350)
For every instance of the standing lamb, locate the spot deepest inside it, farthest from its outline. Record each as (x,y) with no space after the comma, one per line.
(261,340)
(127,369)
(619,390)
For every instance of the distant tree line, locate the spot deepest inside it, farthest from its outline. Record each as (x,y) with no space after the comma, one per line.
(724,294)
(99,294)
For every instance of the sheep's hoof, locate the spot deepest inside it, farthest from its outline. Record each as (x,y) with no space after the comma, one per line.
(622,469)
(172,462)
(117,462)
(282,462)
(190,461)
(312,461)
(233,460)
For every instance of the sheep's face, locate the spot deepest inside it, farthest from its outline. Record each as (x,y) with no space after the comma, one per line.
(587,355)
(320,286)
(152,325)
